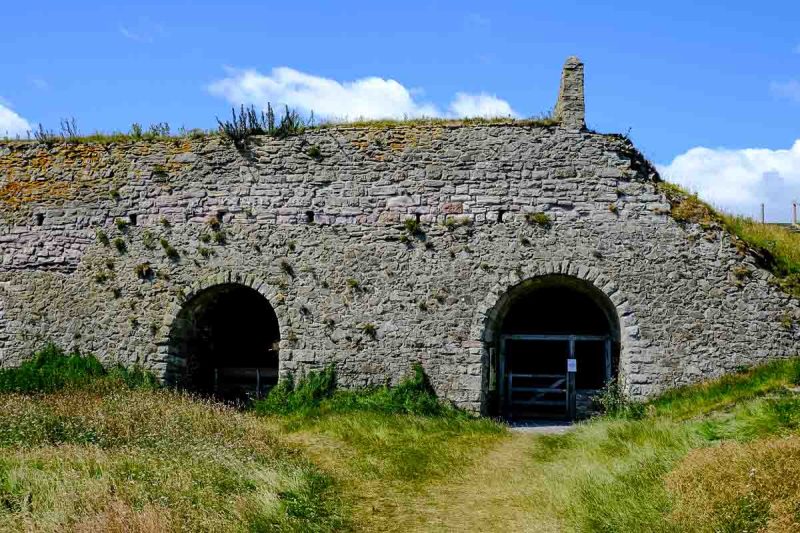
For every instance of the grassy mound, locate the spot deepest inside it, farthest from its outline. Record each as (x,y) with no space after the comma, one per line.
(83,448)
(617,474)
(776,248)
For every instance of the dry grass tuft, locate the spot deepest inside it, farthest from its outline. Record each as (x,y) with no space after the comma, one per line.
(151,461)
(739,487)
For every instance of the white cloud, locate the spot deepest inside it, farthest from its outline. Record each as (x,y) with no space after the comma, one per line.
(365,98)
(480,105)
(789,89)
(739,181)
(11,124)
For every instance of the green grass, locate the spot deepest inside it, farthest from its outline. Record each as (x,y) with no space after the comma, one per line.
(117,137)
(610,473)
(316,394)
(51,369)
(83,447)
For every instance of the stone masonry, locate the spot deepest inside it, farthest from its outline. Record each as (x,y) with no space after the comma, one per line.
(314,222)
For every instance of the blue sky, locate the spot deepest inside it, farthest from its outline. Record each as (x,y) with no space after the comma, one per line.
(679,75)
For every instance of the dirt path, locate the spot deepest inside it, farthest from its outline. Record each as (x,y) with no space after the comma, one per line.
(494,493)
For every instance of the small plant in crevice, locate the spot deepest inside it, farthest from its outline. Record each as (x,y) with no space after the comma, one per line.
(121,224)
(144,271)
(165,222)
(369,329)
(287,268)
(787,321)
(422,305)
(329,322)
(413,228)
(451,223)
(205,238)
(119,244)
(291,245)
(204,252)
(170,251)
(740,274)
(524,241)
(538,218)
(219,237)
(159,172)
(314,153)
(148,239)
(440,295)
(429,245)
(116,292)
(109,264)
(100,277)
(353,284)
(214,223)
(114,195)
(613,208)
(102,237)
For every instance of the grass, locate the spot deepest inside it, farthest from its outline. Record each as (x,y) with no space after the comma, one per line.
(84,447)
(248,122)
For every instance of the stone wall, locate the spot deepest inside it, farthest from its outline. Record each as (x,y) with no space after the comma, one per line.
(322,237)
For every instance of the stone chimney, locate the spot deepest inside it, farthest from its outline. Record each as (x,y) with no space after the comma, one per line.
(570,108)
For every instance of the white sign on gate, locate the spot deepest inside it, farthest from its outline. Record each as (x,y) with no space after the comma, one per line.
(572,365)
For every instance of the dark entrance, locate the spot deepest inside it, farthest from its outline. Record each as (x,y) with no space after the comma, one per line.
(557,346)
(225,343)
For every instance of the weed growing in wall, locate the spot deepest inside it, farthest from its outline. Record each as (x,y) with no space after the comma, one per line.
(144,271)
(369,330)
(102,237)
(148,239)
(542,220)
(314,153)
(170,251)
(120,245)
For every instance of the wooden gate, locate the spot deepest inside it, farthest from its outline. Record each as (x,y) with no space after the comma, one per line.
(521,391)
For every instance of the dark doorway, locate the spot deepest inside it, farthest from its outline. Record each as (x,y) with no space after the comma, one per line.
(557,346)
(225,343)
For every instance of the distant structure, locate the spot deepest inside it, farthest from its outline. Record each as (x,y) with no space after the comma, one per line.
(523,264)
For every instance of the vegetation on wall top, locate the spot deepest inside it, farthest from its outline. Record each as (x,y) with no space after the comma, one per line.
(776,248)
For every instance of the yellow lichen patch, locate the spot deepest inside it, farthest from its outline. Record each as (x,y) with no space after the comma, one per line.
(16,193)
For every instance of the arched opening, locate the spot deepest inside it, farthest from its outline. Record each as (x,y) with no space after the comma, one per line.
(555,344)
(224,342)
